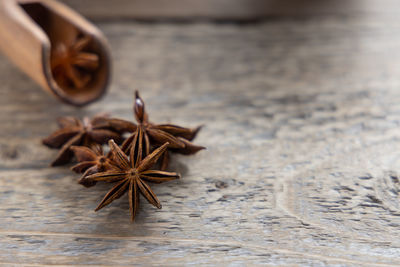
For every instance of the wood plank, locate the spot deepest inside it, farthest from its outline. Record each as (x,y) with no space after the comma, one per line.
(301,124)
(228,9)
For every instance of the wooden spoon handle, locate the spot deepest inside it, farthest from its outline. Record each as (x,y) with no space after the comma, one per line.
(30,33)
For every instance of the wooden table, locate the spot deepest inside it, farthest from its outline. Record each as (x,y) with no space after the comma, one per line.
(302,164)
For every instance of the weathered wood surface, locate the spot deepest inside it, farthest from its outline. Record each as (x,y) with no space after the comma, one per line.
(227,9)
(302,167)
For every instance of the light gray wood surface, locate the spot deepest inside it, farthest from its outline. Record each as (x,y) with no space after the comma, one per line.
(302,168)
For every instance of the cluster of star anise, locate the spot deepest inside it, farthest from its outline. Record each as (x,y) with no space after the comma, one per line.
(142,157)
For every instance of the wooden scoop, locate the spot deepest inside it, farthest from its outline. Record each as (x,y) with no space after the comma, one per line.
(59,49)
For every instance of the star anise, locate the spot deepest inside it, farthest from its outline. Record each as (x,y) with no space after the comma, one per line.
(91,160)
(131,174)
(74,132)
(157,134)
(72,65)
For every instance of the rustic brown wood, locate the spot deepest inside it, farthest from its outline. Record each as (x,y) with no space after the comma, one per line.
(29,28)
(302,162)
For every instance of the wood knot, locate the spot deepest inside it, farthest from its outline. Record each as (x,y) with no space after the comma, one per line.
(221,185)
(10,153)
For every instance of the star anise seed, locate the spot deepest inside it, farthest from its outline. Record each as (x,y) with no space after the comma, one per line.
(74,132)
(132,175)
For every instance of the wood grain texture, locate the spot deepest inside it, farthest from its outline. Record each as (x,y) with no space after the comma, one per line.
(227,9)
(302,162)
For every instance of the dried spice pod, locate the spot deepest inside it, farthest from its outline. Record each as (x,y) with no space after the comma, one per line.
(74,132)
(131,176)
(90,161)
(73,66)
(154,135)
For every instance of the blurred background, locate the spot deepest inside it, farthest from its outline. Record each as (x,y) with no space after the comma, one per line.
(240,10)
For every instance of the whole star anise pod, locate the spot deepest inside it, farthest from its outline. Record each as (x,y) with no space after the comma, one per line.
(131,175)
(157,134)
(91,160)
(74,132)
(71,65)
